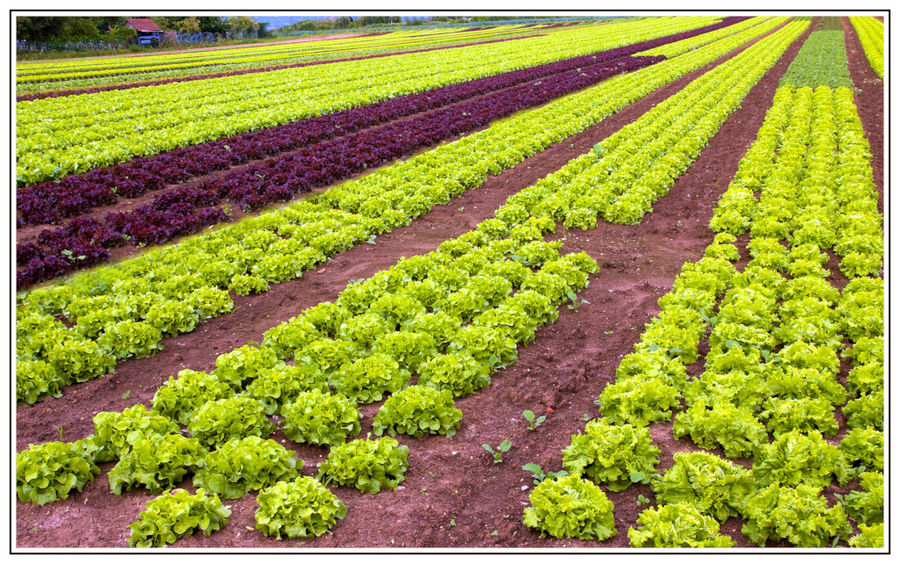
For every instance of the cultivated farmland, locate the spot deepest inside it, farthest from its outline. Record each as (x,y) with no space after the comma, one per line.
(600,285)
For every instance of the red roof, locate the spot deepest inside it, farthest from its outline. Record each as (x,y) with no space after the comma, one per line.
(143,24)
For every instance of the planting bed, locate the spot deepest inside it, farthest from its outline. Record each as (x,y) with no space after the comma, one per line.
(455,495)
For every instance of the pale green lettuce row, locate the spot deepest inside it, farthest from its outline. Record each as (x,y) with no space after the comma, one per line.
(616,182)
(673,49)
(141,68)
(871,36)
(184,283)
(143,122)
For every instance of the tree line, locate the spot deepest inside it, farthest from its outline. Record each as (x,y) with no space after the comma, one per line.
(112,28)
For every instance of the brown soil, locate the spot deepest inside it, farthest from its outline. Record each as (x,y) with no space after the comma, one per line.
(454,495)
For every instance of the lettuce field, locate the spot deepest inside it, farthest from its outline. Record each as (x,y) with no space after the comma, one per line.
(611,284)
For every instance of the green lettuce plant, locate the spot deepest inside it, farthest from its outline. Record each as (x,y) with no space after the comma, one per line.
(617,455)
(156,462)
(408,348)
(796,458)
(866,411)
(276,387)
(417,411)
(369,378)
(246,284)
(130,339)
(867,506)
(50,471)
(36,380)
(320,418)
(638,402)
(243,364)
(713,485)
(287,338)
(299,508)
(678,525)
(782,415)
(489,346)
(219,421)
(736,430)
(458,373)
(243,465)
(367,465)
(178,398)
(570,506)
(863,448)
(177,513)
(173,317)
(869,537)
(796,514)
(114,432)
(327,354)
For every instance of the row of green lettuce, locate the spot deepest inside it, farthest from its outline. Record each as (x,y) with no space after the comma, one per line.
(446,316)
(777,331)
(58,136)
(123,311)
(97,71)
(871,37)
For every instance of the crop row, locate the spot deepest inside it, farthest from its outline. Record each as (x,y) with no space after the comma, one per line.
(185,282)
(771,367)
(200,74)
(675,48)
(187,210)
(56,137)
(871,37)
(821,61)
(51,201)
(626,173)
(256,56)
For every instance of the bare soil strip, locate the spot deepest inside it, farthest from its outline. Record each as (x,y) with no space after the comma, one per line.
(454,494)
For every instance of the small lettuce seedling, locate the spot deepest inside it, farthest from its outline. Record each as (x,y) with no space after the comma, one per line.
(501,449)
(540,475)
(533,423)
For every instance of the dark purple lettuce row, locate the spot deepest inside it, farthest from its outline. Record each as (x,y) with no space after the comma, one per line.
(82,242)
(79,91)
(187,209)
(49,202)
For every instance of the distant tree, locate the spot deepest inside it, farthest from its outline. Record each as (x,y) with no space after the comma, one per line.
(123,34)
(32,28)
(213,24)
(188,25)
(79,27)
(165,23)
(342,22)
(242,23)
